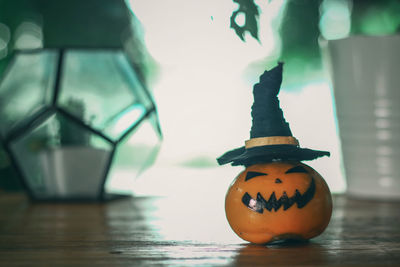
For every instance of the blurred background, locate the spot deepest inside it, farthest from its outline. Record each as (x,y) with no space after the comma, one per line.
(201,73)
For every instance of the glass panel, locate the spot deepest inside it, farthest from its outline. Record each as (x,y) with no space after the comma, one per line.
(155,123)
(136,153)
(104,87)
(60,159)
(124,121)
(26,88)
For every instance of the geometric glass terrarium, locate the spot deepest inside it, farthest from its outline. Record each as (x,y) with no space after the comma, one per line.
(75,117)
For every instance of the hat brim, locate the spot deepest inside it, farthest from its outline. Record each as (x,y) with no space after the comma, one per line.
(262,154)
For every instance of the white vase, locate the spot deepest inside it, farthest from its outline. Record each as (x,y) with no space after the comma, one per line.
(366,84)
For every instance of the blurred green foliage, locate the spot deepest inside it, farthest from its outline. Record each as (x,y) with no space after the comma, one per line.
(373,17)
(250,11)
(69,133)
(299,31)
(299,34)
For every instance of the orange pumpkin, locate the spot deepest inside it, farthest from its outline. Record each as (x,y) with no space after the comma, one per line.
(278,200)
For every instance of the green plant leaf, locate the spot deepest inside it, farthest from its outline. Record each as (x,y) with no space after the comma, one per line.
(251,13)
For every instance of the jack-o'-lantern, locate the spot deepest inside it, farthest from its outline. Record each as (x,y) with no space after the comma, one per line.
(278,200)
(276,197)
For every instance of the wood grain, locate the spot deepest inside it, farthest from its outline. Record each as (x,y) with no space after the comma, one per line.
(157,232)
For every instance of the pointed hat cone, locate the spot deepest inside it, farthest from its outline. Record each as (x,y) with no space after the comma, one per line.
(270,135)
(267,116)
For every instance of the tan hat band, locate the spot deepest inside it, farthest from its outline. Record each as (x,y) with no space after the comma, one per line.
(271,140)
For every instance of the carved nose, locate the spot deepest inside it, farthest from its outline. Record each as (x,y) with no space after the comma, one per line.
(278,181)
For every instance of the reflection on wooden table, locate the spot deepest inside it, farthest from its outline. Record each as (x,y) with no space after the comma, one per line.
(184,230)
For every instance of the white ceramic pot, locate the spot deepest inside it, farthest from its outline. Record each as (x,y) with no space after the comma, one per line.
(365,73)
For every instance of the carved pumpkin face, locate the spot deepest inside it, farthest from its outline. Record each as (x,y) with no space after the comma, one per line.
(278,200)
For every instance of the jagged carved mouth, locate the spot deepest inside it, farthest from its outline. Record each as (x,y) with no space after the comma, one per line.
(259,204)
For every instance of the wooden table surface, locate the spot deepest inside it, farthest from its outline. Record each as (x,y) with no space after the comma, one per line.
(146,231)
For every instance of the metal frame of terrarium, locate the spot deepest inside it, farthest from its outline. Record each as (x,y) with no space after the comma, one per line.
(44,113)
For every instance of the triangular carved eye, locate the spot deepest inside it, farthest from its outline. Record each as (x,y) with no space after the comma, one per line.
(297,169)
(251,175)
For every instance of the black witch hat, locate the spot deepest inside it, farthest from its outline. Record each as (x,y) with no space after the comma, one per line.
(270,135)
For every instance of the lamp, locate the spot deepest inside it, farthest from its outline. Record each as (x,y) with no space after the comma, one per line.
(75,112)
